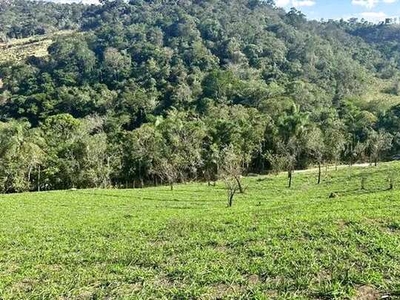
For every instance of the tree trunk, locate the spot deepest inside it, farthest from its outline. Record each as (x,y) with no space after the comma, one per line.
(241,190)
(172,186)
(290,176)
(230,198)
(29,174)
(363,180)
(319,173)
(38,183)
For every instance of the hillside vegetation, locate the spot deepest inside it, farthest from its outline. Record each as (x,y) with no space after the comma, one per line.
(150,92)
(21,19)
(274,243)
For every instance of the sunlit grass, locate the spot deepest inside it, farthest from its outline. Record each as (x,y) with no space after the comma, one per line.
(17,50)
(155,243)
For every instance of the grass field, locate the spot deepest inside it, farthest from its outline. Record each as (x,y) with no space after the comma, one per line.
(19,49)
(376,96)
(274,243)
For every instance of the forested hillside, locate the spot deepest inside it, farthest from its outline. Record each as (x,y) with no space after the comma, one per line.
(150,92)
(22,19)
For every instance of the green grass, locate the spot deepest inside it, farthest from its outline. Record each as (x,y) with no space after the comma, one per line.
(376,97)
(154,243)
(19,49)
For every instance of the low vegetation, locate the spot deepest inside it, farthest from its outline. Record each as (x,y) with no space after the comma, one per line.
(18,50)
(157,243)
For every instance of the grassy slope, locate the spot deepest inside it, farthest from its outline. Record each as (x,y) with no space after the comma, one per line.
(154,243)
(376,96)
(19,49)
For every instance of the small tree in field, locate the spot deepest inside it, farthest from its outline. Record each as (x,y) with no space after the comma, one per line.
(315,146)
(290,160)
(168,171)
(231,172)
(288,153)
(377,143)
(284,159)
(291,128)
(391,179)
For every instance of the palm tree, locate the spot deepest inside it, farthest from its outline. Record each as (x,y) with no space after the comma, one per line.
(291,127)
(21,151)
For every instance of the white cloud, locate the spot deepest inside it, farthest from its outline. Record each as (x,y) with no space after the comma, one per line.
(282,3)
(373,16)
(371,3)
(366,3)
(295,3)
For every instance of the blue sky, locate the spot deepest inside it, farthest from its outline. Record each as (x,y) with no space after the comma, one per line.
(372,10)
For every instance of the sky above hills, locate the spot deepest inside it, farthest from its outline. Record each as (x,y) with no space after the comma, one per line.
(371,10)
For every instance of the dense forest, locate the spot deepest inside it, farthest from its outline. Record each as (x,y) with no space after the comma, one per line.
(158,92)
(21,18)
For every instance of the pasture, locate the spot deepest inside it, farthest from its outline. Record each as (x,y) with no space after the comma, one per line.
(18,50)
(153,243)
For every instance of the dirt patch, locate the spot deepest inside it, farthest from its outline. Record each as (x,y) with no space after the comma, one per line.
(85,295)
(221,291)
(275,281)
(222,249)
(272,294)
(159,243)
(126,289)
(11,269)
(367,292)
(254,279)
(342,224)
(324,276)
(164,282)
(25,285)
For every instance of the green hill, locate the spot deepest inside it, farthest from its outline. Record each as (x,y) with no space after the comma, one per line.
(140,92)
(273,243)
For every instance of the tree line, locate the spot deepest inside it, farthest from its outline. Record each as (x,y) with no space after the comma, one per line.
(161,92)
(230,141)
